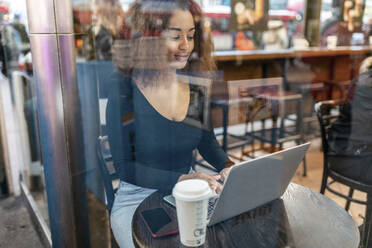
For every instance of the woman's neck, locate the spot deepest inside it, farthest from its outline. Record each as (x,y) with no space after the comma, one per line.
(167,79)
(156,79)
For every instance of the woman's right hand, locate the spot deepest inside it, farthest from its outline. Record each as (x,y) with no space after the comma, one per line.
(211,179)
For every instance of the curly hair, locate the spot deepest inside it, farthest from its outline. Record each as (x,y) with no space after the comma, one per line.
(140,43)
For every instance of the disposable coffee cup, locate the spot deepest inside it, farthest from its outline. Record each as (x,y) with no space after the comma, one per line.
(331,41)
(192,208)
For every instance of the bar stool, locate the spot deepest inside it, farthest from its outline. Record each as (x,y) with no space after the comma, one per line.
(273,103)
(277,103)
(310,93)
(250,89)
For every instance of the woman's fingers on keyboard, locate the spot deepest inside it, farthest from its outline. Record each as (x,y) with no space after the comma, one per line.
(224,173)
(217,177)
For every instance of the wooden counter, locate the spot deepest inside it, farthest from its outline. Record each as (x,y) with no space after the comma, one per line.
(290,53)
(339,64)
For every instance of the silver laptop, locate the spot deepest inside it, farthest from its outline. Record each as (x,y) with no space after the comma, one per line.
(253,183)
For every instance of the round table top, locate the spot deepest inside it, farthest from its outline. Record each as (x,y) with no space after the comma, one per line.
(301,218)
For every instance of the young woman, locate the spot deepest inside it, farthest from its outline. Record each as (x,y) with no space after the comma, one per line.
(151,140)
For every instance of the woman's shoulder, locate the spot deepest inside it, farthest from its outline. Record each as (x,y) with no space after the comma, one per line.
(121,83)
(120,94)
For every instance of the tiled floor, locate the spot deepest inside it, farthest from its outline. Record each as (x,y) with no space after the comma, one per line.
(16,228)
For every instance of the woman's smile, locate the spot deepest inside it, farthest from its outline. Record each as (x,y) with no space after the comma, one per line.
(181,57)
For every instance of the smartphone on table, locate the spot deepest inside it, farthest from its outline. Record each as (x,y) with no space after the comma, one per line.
(159,223)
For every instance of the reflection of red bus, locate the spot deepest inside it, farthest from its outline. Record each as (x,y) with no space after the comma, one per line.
(4,9)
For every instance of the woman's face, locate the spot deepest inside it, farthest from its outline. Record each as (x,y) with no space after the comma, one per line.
(180,38)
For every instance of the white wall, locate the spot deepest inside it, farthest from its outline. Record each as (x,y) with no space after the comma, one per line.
(10,135)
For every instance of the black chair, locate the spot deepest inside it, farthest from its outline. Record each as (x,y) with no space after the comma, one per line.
(107,170)
(327,113)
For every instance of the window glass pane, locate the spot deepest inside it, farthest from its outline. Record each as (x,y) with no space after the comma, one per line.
(172,90)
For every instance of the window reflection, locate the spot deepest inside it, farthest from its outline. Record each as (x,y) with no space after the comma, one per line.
(268,78)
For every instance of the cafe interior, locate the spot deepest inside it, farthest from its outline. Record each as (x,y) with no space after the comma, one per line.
(283,73)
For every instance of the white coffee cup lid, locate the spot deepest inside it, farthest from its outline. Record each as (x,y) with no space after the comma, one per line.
(192,190)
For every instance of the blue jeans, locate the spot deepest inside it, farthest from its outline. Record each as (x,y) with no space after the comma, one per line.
(127,199)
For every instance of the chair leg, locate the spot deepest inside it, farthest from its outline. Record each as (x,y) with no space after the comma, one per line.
(274,134)
(324,181)
(347,206)
(253,149)
(262,133)
(305,167)
(367,232)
